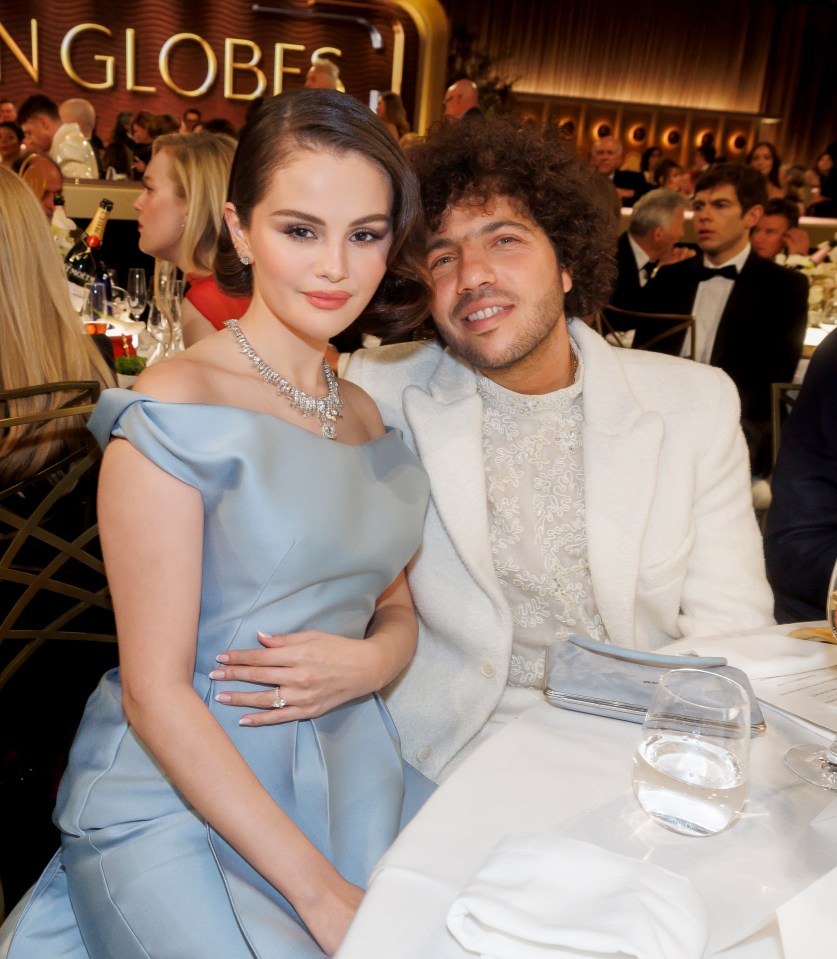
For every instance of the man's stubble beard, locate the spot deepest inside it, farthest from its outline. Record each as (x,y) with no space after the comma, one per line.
(546,315)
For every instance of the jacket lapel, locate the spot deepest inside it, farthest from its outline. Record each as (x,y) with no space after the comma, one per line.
(446,422)
(621,452)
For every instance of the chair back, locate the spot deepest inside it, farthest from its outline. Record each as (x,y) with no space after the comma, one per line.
(652,329)
(52,578)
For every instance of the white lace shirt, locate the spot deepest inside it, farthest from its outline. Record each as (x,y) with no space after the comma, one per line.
(532,448)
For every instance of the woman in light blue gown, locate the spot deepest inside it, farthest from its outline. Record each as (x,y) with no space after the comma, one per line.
(235,501)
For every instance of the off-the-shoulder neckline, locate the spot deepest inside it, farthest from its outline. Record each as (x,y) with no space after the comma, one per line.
(140,397)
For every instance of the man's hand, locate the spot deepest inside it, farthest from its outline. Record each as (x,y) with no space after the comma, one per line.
(677,254)
(796,240)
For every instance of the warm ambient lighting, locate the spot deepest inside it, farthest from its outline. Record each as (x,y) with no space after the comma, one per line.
(637,133)
(671,137)
(705,136)
(737,142)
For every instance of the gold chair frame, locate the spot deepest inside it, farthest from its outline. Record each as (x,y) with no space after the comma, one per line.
(679,322)
(21,529)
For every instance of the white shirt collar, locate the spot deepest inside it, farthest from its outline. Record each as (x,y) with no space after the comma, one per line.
(737,261)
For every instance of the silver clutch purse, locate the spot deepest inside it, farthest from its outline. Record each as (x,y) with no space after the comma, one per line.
(612,681)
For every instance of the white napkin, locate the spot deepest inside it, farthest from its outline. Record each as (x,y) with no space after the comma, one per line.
(762,655)
(808,923)
(541,897)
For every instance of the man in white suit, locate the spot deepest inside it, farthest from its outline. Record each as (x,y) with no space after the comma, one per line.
(575,487)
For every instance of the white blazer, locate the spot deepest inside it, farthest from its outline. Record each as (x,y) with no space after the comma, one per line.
(673,544)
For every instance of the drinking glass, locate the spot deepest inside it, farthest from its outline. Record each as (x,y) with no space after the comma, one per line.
(95,311)
(137,291)
(158,324)
(812,762)
(691,768)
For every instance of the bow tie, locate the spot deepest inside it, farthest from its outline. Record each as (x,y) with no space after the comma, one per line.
(648,268)
(708,273)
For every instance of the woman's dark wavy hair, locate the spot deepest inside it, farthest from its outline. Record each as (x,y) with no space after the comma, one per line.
(479,159)
(775,159)
(332,121)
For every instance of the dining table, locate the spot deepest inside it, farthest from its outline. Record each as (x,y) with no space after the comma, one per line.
(768,882)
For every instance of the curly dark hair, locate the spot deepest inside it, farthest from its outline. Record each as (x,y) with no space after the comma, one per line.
(491,157)
(327,120)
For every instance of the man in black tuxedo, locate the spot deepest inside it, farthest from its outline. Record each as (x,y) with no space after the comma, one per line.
(648,244)
(800,542)
(630,185)
(750,313)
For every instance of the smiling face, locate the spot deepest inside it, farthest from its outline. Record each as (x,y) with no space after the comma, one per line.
(318,250)
(498,296)
(721,226)
(162,211)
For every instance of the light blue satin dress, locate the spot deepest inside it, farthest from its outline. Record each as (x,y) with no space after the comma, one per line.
(300,532)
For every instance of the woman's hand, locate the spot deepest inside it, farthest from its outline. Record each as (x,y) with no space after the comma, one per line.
(314,671)
(317,671)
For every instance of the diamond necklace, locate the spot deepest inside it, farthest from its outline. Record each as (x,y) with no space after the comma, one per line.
(325,408)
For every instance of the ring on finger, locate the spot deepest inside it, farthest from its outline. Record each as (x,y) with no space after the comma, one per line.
(278,701)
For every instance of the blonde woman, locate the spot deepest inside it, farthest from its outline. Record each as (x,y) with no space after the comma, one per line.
(43,340)
(180,212)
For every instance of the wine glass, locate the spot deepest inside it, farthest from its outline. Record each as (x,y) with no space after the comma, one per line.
(691,768)
(812,762)
(137,291)
(158,324)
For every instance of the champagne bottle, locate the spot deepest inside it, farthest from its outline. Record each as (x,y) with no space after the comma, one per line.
(80,263)
(62,226)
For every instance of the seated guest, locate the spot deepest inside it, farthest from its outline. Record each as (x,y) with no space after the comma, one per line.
(43,339)
(630,185)
(180,213)
(323,74)
(142,134)
(800,541)
(11,143)
(764,158)
(649,162)
(825,169)
(777,230)
(648,244)
(751,313)
(669,175)
(575,487)
(64,142)
(462,101)
(118,155)
(190,120)
(43,178)
(82,112)
(8,110)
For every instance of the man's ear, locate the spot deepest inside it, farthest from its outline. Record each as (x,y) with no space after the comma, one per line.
(753,215)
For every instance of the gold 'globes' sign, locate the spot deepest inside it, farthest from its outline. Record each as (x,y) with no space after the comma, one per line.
(241,57)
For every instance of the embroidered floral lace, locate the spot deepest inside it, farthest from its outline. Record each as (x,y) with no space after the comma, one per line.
(532,449)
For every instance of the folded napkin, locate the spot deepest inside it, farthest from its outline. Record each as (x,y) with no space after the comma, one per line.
(761,655)
(541,897)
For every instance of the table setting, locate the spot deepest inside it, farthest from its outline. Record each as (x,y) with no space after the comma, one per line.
(553,839)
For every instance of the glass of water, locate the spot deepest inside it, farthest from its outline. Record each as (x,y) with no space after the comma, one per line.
(691,768)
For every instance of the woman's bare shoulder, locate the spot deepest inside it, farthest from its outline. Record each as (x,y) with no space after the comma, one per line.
(364,409)
(191,376)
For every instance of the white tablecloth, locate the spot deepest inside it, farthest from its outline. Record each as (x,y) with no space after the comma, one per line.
(566,773)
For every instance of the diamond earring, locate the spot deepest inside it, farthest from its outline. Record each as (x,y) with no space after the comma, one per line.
(245,260)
